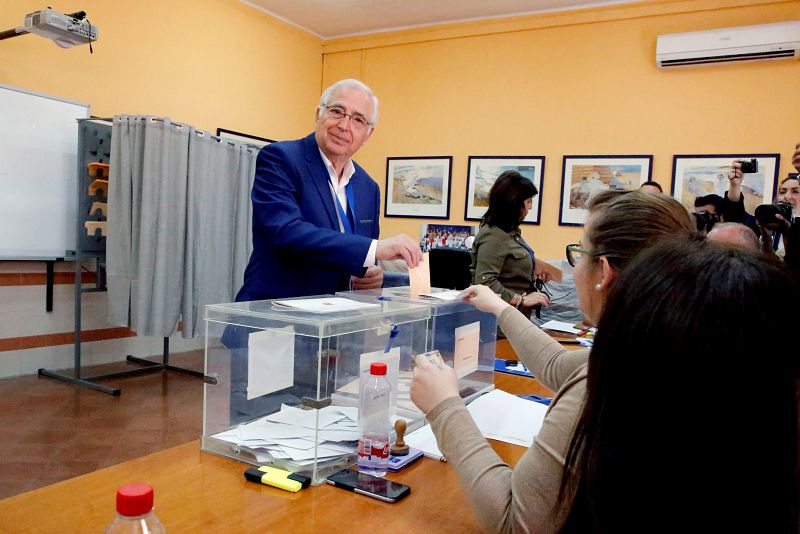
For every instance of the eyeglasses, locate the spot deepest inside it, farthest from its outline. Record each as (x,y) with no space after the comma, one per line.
(338,113)
(575,253)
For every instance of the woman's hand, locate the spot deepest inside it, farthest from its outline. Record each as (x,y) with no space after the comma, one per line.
(432,384)
(536,299)
(484,299)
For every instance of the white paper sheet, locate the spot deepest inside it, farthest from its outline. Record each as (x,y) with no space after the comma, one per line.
(465,360)
(506,417)
(559,326)
(450,294)
(270,361)
(419,277)
(324,305)
(304,418)
(424,440)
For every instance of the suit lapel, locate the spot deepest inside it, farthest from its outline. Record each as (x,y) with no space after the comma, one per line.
(319,176)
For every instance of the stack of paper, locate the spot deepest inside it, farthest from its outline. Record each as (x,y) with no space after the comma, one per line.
(498,415)
(506,417)
(424,440)
(292,432)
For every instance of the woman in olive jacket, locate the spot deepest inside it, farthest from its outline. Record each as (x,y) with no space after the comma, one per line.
(501,259)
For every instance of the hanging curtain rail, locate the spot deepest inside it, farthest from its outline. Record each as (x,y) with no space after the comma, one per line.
(198,133)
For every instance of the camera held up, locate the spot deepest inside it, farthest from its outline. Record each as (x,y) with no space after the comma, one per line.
(705,220)
(749,167)
(765,213)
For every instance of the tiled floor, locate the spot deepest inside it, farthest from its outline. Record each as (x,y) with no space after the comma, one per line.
(51,431)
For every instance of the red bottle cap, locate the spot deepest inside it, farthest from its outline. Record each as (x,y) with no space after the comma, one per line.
(134,499)
(377,368)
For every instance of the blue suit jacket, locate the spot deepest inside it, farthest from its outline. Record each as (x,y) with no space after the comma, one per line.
(298,249)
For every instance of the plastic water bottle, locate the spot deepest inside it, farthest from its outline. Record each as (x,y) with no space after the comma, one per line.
(135,511)
(374,418)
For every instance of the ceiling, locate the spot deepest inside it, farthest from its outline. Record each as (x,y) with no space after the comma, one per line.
(330,19)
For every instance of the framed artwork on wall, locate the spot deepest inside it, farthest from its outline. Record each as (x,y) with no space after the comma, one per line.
(418,186)
(584,176)
(243,137)
(695,175)
(483,172)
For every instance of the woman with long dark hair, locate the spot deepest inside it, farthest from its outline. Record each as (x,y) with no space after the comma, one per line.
(526,498)
(691,414)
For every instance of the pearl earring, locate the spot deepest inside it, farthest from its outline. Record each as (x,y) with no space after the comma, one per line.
(598,286)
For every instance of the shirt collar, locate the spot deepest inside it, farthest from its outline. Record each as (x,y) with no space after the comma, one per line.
(349,171)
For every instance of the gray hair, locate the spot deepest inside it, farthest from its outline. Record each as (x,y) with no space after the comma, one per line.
(349,83)
(735,234)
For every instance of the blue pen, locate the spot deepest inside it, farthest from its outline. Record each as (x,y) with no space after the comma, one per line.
(392,335)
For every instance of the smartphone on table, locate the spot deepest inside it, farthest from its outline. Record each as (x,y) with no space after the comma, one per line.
(371,486)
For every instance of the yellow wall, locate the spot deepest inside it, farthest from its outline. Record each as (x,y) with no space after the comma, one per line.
(582,82)
(578,82)
(209,63)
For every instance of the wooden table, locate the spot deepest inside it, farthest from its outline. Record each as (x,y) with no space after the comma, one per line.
(197,491)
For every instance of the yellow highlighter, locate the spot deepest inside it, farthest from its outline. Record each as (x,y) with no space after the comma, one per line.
(272,476)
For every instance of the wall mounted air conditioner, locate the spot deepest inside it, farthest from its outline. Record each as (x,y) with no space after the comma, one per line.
(779,40)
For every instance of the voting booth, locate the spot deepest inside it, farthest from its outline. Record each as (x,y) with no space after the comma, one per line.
(464,336)
(284,377)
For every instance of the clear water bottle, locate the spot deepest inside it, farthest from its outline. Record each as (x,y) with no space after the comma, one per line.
(135,511)
(374,419)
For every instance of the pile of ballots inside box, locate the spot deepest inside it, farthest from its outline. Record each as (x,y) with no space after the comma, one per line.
(291,434)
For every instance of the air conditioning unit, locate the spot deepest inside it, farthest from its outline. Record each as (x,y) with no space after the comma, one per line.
(780,40)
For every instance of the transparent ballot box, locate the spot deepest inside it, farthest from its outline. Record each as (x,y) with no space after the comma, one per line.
(464,336)
(288,375)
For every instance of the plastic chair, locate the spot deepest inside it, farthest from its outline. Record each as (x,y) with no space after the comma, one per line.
(450,268)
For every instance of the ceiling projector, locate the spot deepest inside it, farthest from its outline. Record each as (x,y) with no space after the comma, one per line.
(64,30)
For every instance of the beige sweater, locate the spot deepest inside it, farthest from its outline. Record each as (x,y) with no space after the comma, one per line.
(522,499)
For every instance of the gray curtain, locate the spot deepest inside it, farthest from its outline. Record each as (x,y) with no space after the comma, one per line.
(179,230)
(124,195)
(218,225)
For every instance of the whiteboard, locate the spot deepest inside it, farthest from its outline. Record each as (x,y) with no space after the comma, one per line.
(38,174)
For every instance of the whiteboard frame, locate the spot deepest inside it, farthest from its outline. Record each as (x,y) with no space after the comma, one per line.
(61,201)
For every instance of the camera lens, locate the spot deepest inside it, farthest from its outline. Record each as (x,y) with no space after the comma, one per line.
(765,213)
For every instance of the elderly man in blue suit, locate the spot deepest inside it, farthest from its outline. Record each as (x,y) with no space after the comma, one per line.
(315,211)
(315,231)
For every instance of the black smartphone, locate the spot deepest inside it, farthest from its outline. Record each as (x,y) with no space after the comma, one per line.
(369,485)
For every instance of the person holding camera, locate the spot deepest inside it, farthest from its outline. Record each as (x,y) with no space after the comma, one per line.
(772,222)
(707,212)
(733,209)
(780,222)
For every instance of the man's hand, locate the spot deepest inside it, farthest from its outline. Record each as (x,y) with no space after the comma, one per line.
(399,246)
(372,279)
(796,157)
(735,178)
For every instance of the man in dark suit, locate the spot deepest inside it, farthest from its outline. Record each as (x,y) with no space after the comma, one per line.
(315,231)
(315,211)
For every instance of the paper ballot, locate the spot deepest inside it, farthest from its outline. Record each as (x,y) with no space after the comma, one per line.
(323,305)
(467,337)
(419,277)
(270,361)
